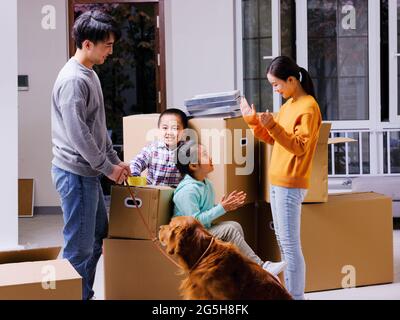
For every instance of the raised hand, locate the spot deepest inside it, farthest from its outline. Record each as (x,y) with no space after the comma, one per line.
(233,201)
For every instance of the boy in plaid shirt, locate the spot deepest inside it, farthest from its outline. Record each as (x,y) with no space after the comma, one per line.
(159,157)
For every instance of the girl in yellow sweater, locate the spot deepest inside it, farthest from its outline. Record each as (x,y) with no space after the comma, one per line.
(294,133)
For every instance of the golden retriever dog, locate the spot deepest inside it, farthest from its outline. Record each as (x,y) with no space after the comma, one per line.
(216,270)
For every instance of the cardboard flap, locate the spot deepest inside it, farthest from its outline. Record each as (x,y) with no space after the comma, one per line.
(340,140)
(324,132)
(29,255)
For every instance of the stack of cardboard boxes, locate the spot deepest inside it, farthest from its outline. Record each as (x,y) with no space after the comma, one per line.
(346,239)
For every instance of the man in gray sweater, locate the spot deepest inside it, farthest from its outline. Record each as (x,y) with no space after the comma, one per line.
(82,149)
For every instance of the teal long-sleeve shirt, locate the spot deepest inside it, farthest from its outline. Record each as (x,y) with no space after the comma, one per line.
(197,198)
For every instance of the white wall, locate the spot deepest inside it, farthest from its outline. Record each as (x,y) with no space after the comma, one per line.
(41,55)
(9,126)
(200,48)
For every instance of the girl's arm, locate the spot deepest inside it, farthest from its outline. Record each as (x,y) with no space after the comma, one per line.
(258,129)
(187,204)
(299,141)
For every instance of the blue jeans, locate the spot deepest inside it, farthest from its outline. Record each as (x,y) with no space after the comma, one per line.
(286,214)
(85,223)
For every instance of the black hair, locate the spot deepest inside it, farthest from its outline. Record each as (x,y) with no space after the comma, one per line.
(176,112)
(94,26)
(188,153)
(284,67)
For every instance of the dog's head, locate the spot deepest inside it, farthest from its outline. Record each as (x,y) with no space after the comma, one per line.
(185,238)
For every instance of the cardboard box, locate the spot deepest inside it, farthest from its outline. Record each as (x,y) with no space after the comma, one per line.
(247,217)
(137,131)
(135,269)
(34,274)
(155,203)
(234,152)
(26,191)
(318,190)
(346,242)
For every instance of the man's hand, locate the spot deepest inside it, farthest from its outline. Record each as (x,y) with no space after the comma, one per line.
(126,167)
(119,174)
(233,201)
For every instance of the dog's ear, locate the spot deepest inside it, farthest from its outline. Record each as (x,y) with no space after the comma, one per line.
(172,241)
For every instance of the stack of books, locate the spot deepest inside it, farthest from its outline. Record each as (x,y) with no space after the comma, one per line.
(220,104)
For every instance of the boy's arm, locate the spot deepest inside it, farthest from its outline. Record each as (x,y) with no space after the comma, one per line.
(187,204)
(141,161)
(258,130)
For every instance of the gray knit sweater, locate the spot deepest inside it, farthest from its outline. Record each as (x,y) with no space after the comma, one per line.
(81,144)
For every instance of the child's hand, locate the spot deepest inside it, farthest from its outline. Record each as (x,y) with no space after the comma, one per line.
(233,201)
(267,119)
(245,108)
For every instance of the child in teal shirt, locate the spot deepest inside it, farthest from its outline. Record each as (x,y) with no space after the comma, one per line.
(195,196)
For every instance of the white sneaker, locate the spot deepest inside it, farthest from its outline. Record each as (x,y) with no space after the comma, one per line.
(274,267)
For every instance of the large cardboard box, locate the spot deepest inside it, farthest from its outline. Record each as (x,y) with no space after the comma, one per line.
(247,217)
(318,190)
(234,152)
(155,204)
(138,130)
(135,269)
(230,142)
(35,274)
(346,242)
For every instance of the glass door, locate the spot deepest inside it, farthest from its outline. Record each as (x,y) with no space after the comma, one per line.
(265,35)
(394,56)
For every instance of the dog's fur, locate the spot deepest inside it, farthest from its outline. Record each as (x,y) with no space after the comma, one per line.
(223,273)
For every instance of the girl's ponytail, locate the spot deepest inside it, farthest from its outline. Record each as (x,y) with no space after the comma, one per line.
(306,82)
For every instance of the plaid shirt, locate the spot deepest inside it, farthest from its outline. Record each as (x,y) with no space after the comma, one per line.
(160,162)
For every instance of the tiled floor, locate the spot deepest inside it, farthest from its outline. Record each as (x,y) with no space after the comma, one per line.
(46,230)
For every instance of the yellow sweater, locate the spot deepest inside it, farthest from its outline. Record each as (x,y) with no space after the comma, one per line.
(294,134)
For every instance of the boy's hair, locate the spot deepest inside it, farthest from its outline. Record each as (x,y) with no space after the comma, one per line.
(177,112)
(187,153)
(94,26)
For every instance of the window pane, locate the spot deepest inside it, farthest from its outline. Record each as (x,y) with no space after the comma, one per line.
(338,57)
(353,99)
(354,154)
(350,9)
(340,156)
(251,64)
(288,28)
(366,153)
(265,18)
(266,50)
(250,18)
(266,97)
(385,159)
(395,152)
(326,90)
(252,91)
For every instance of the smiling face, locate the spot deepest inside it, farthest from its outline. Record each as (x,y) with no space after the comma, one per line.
(171,128)
(205,165)
(98,53)
(284,88)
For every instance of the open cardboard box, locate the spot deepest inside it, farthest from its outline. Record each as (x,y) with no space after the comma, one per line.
(318,190)
(229,141)
(155,204)
(37,274)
